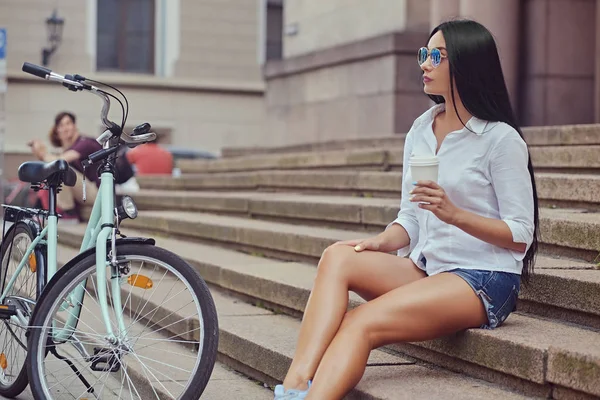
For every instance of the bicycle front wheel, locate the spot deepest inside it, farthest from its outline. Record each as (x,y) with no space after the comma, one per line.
(165,346)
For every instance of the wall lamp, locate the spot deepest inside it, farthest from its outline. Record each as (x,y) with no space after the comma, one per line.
(54,25)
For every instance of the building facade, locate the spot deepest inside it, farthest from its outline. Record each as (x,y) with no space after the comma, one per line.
(213,73)
(189,67)
(349,66)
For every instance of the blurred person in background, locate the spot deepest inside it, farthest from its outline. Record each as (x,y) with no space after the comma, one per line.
(151,159)
(75,148)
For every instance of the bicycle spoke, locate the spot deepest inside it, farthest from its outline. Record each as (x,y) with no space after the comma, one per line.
(158,308)
(160,362)
(154,376)
(154,291)
(165,327)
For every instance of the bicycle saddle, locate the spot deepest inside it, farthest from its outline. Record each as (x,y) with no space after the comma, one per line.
(38,171)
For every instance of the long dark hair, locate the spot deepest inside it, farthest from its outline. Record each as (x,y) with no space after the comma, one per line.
(475,67)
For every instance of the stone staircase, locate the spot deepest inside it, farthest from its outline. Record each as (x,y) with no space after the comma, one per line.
(254,225)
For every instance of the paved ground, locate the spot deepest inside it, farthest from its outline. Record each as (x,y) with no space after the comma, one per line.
(224,384)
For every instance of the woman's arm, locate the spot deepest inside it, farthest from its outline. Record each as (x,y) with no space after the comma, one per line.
(39,150)
(68,156)
(514,191)
(490,230)
(512,184)
(403,233)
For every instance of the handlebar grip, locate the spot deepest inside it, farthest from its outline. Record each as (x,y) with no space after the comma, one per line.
(36,70)
(99,155)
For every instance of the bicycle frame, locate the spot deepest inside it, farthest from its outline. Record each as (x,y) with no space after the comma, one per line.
(99,228)
(101,223)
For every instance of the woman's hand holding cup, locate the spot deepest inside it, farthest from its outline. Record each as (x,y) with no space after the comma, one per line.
(433,197)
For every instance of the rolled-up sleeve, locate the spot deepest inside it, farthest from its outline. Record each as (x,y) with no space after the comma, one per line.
(406,216)
(512,184)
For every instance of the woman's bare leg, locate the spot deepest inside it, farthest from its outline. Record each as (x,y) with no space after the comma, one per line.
(423,310)
(369,274)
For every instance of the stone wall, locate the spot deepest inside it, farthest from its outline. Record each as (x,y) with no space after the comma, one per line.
(191,115)
(324,24)
(559,62)
(367,88)
(24,21)
(219,40)
(548,52)
(213,97)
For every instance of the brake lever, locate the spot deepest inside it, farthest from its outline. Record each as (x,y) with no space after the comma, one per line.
(104,137)
(145,137)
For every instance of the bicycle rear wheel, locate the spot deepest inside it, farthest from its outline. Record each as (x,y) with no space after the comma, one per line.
(167,349)
(22,295)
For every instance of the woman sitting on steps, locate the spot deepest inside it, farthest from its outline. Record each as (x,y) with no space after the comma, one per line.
(75,148)
(471,236)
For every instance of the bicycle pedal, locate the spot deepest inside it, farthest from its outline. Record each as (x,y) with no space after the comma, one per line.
(105,360)
(7,311)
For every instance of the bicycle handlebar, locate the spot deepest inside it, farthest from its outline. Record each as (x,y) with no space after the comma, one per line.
(77,83)
(36,70)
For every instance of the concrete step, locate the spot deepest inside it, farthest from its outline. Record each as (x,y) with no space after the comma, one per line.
(565,358)
(553,158)
(364,183)
(562,289)
(567,233)
(375,159)
(565,159)
(340,211)
(535,136)
(554,189)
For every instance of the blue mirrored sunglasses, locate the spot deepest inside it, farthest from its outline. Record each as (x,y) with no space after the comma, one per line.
(436,56)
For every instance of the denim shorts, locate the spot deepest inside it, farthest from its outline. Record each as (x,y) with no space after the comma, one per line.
(497,290)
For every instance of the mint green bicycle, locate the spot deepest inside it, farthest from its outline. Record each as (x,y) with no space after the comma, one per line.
(122,319)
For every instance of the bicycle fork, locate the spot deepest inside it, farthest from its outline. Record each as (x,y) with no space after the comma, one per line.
(75,298)
(106,228)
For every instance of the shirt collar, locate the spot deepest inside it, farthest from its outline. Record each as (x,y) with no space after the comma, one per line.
(475,124)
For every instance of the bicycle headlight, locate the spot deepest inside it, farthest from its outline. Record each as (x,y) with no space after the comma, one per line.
(127,209)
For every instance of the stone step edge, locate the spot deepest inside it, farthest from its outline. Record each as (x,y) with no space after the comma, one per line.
(557,282)
(586,134)
(364,212)
(559,232)
(510,367)
(383,158)
(554,189)
(551,300)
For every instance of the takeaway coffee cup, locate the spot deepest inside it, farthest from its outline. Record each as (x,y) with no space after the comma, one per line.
(424,168)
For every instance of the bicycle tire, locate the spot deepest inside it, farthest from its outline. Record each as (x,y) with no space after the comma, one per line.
(65,277)
(20,383)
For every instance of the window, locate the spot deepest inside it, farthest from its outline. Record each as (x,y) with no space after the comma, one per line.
(274,31)
(125,39)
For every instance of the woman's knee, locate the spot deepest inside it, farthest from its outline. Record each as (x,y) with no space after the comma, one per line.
(372,323)
(335,260)
(356,322)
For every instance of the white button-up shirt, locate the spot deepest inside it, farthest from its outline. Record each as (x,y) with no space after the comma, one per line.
(484,172)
